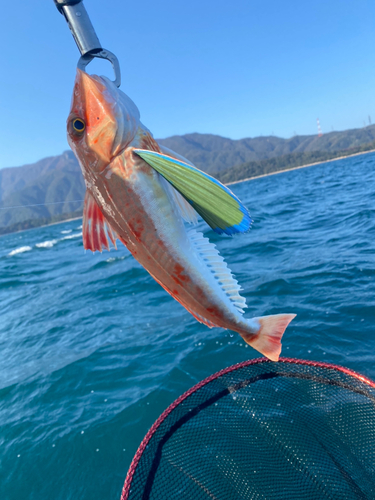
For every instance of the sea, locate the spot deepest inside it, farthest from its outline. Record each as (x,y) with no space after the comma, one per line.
(93,350)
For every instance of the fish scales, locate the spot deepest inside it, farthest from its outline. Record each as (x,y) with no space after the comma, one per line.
(140,193)
(148,210)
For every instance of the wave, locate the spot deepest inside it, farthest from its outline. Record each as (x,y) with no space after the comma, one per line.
(67,231)
(43,244)
(46,244)
(97,361)
(19,250)
(71,236)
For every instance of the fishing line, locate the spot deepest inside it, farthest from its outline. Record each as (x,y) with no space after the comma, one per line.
(41,204)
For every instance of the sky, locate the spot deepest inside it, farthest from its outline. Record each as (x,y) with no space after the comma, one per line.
(239,68)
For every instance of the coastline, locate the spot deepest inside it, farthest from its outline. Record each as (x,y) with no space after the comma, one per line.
(226,184)
(59,222)
(302,166)
(44,225)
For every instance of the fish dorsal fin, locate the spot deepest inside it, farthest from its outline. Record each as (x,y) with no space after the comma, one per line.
(214,202)
(95,229)
(208,252)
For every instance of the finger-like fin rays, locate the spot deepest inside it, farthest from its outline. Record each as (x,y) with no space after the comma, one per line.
(95,229)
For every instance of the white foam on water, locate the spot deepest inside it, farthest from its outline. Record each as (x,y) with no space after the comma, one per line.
(71,236)
(46,244)
(79,227)
(113,259)
(19,250)
(66,232)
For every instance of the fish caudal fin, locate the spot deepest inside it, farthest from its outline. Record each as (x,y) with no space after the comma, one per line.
(267,339)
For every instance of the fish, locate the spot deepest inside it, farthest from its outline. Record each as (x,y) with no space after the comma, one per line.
(149,198)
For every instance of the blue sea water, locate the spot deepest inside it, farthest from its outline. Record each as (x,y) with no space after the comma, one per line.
(92,349)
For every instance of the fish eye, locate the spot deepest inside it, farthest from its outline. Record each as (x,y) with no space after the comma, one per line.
(78,125)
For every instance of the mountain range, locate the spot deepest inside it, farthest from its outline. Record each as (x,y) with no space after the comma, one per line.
(53,189)
(215,154)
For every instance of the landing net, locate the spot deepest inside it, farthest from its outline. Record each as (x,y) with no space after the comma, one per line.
(263,430)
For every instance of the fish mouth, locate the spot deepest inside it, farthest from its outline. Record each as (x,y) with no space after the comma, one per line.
(111,118)
(94,108)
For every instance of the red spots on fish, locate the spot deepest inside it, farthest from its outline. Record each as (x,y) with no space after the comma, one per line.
(179,275)
(161,245)
(148,142)
(215,311)
(137,228)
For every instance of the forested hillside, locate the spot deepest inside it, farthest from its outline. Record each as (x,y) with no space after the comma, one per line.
(53,189)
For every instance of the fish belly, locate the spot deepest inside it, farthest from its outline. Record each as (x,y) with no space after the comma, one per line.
(139,208)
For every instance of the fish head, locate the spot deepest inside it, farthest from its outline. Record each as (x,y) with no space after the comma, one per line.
(102,122)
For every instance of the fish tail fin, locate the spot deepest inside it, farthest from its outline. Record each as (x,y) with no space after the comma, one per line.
(267,339)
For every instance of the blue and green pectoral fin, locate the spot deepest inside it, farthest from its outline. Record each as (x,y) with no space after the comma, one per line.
(214,202)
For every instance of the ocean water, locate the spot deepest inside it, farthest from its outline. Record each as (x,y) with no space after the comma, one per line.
(92,349)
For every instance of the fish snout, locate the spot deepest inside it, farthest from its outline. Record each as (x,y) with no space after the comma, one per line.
(103,120)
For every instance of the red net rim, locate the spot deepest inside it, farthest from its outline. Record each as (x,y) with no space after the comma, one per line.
(164,415)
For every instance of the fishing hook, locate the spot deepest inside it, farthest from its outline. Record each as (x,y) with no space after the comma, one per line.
(85,37)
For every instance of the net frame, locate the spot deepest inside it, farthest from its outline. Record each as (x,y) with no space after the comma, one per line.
(137,457)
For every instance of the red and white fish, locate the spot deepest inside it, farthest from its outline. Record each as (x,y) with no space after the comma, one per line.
(140,193)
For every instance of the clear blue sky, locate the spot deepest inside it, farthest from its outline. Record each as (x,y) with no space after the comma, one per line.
(238,68)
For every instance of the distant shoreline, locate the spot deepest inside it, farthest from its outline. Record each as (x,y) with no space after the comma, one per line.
(227,184)
(44,225)
(58,222)
(47,225)
(301,166)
